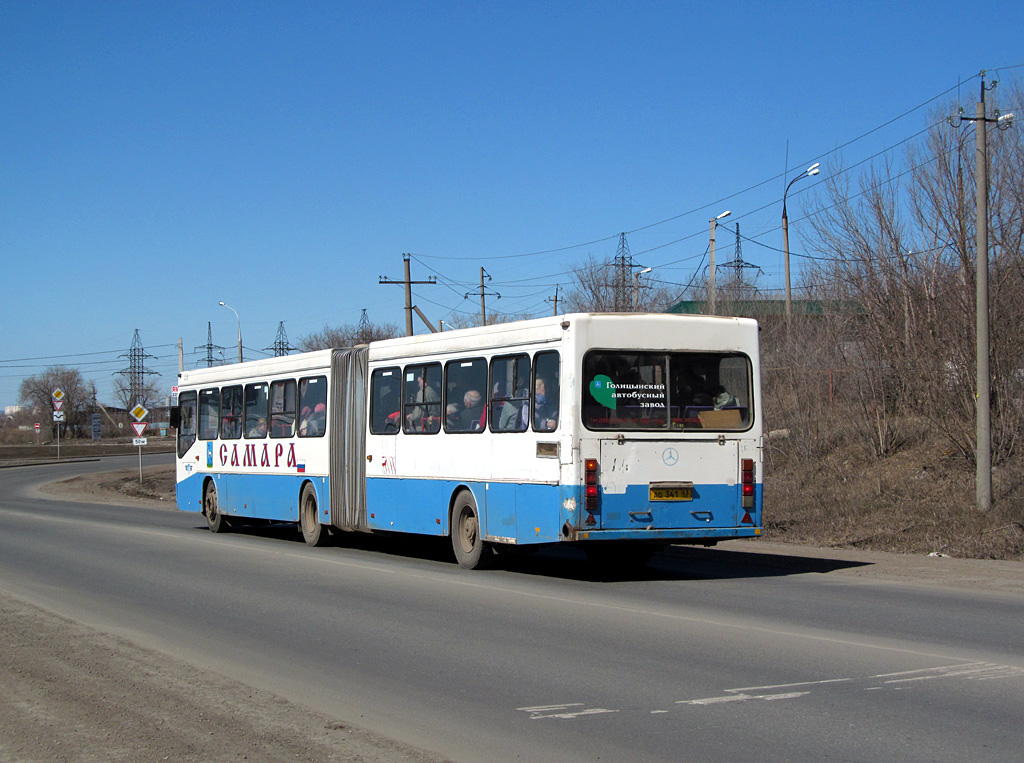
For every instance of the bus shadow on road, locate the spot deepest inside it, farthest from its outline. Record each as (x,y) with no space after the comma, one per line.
(678,563)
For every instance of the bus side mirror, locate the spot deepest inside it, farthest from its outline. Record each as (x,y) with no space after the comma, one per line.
(175,413)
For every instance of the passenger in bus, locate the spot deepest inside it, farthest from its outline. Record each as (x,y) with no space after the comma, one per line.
(724,398)
(258,428)
(515,414)
(313,422)
(424,394)
(451,416)
(545,414)
(472,412)
(230,427)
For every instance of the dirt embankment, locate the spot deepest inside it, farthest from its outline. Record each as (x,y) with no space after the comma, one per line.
(122,487)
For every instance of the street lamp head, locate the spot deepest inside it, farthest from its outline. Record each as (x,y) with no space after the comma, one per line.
(813,169)
(646,270)
(222,304)
(726,213)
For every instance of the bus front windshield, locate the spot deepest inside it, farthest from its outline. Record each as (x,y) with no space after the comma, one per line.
(662,391)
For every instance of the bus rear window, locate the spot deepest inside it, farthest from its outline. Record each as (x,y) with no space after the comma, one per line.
(666,391)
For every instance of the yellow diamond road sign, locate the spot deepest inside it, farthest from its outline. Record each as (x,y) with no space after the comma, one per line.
(138,412)
(58,394)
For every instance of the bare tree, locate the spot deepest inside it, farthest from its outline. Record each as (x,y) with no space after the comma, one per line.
(594,287)
(36,392)
(348,335)
(149,394)
(898,262)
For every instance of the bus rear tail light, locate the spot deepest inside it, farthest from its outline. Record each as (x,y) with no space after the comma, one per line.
(590,489)
(747,483)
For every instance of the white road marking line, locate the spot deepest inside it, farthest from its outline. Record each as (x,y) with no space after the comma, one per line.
(970,671)
(545,711)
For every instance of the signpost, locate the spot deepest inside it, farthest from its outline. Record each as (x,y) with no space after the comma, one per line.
(58,413)
(139,426)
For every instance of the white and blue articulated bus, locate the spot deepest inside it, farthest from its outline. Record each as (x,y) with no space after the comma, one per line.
(618,432)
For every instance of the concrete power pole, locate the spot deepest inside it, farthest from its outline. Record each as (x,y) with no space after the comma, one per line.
(408,283)
(983,394)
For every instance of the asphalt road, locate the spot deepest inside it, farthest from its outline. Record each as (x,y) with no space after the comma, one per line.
(708,655)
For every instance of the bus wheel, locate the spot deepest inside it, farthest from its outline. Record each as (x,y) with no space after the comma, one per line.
(467,540)
(216,521)
(314,533)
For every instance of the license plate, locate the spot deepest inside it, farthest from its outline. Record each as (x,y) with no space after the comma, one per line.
(671,494)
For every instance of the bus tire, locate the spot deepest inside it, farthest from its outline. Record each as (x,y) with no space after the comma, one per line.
(467,540)
(314,533)
(216,521)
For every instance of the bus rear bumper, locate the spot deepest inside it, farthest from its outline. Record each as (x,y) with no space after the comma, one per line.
(698,536)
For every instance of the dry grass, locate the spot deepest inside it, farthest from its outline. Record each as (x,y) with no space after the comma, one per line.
(920,500)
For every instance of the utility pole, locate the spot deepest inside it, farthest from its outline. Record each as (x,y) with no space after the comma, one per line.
(408,282)
(554,299)
(983,445)
(483,293)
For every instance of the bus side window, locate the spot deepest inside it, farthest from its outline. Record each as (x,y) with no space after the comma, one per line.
(255,411)
(209,414)
(187,428)
(422,410)
(231,412)
(313,406)
(386,400)
(510,393)
(465,390)
(282,408)
(545,391)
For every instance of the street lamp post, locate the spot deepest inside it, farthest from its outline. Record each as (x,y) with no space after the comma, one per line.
(636,287)
(809,172)
(711,261)
(229,307)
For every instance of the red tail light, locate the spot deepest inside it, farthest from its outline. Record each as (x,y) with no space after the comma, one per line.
(590,489)
(747,483)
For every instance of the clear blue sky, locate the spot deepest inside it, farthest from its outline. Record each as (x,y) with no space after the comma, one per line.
(156,158)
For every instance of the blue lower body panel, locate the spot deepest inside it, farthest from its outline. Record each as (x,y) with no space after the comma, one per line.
(263,496)
(509,512)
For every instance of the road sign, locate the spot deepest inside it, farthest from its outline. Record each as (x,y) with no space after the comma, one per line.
(58,405)
(37,427)
(139,427)
(58,394)
(58,415)
(138,441)
(139,412)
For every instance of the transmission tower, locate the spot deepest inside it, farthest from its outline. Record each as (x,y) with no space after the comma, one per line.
(281,346)
(136,371)
(737,263)
(623,272)
(209,347)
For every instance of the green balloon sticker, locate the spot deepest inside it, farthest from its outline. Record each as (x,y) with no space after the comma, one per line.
(602,389)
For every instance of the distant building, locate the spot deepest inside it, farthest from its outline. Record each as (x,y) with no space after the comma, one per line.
(11,410)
